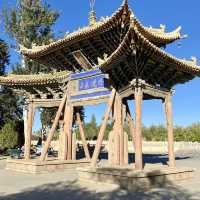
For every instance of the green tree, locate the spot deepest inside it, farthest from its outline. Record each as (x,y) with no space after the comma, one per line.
(91,128)
(46,117)
(9,109)
(30,23)
(4,57)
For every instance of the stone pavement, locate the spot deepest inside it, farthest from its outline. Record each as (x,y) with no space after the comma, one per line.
(64,186)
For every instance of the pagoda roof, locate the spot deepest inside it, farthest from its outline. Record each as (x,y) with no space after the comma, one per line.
(58,53)
(161,67)
(40,86)
(121,47)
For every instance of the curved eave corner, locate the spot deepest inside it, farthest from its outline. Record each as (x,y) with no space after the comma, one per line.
(166,58)
(158,36)
(28,80)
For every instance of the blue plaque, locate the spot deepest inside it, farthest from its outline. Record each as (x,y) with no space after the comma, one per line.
(91,84)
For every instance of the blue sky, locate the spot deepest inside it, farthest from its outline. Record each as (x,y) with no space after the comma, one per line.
(172,13)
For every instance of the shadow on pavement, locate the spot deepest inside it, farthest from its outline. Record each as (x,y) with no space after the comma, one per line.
(76,191)
(148,158)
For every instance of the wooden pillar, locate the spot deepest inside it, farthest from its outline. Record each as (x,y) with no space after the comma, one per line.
(111,148)
(138,128)
(102,129)
(125,135)
(68,129)
(25,118)
(116,133)
(28,134)
(82,134)
(120,131)
(130,124)
(126,149)
(169,119)
(53,128)
(62,142)
(73,146)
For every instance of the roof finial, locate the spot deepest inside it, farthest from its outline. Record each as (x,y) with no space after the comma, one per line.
(125,2)
(92,16)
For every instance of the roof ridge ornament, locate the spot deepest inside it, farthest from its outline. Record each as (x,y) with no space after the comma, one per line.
(125,2)
(92,15)
(163,27)
(194,60)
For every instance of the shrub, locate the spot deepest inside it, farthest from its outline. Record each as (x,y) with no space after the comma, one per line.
(159,133)
(8,136)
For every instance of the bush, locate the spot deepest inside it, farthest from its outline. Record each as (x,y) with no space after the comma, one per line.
(159,133)
(8,136)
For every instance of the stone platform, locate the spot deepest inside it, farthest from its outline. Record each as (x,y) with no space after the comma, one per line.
(35,166)
(134,180)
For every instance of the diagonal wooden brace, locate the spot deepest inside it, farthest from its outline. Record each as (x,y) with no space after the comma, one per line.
(102,129)
(82,134)
(53,128)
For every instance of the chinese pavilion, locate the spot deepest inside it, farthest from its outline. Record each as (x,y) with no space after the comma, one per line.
(112,60)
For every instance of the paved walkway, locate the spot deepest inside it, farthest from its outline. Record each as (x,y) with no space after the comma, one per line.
(64,186)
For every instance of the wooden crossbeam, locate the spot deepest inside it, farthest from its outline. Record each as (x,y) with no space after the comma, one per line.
(91,52)
(67,61)
(82,60)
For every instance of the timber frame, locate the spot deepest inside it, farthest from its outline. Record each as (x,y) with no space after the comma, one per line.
(137,91)
(118,49)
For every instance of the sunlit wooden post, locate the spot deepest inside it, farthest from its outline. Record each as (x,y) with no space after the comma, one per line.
(119,127)
(68,130)
(116,137)
(169,119)
(111,147)
(126,158)
(64,136)
(73,146)
(130,124)
(138,128)
(28,133)
(62,142)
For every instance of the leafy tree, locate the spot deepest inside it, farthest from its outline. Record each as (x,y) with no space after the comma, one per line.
(29,24)
(159,133)
(9,110)
(91,128)
(155,133)
(4,57)
(47,115)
